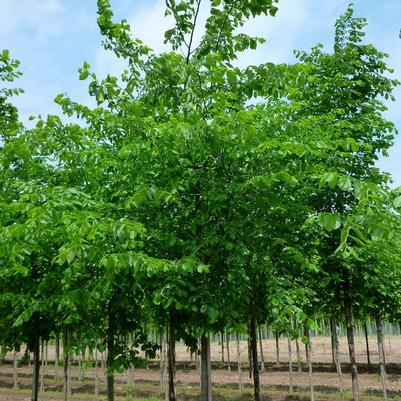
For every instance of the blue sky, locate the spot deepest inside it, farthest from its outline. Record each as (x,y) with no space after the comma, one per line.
(52,38)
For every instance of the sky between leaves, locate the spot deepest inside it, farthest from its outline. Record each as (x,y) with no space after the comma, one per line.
(52,38)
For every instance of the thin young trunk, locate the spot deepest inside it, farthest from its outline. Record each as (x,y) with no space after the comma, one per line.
(57,356)
(42,372)
(15,370)
(380,344)
(172,396)
(96,374)
(365,329)
(254,349)
(308,349)
(351,347)
(36,366)
(239,362)
(332,337)
(299,359)
(290,364)
(109,361)
(277,349)
(222,346)
(262,358)
(66,365)
(46,352)
(228,351)
(249,356)
(161,359)
(206,382)
(336,353)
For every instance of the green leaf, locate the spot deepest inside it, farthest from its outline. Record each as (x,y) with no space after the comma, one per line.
(329,221)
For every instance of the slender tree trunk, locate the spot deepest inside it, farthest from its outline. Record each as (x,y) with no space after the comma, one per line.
(66,367)
(299,360)
(42,372)
(351,347)
(255,363)
(15,370)
(277,349)
(380,344)
(57,356)
(172,395)
(161,359)
(222,346)
(308,349)
(290,364)
(228,351)
(36,366)
(109,361)
(239,362)
(336,353)
(332,336)
(249,355)
(206,382)
(262,357)
(365,329)
(96,374)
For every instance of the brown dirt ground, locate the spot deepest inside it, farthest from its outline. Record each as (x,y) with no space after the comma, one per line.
(147,381)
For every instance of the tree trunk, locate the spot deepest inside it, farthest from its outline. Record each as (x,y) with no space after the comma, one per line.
(171,360)
(308,349)
(277,349)
(351,347)
(336,353)
(262,357)
(42,372)
(249,355)
(365,329)
(109,361)
(380,345)
(239,362)
(222,346)
(15,370)
(206,382)
(96,374)
(255,363)
(228,351)
(290,364)
(299,360)
(161,359)
(57,356)
(36,366)
(66,365)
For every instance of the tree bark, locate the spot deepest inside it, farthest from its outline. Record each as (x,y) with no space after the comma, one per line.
(57,356)
(42,371)
(351,347)
(336,353)
(222,346)
(299,360)
(66,367)
(255,363)
(380,344)
(277,349)
(206,382)
(36,366)
(365,329)
(15,370)
(228,351)
(249,355)
(262,357)
(308,349)
(239,362)
(109,361)
(290,364)
(96,374)
(172,395)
